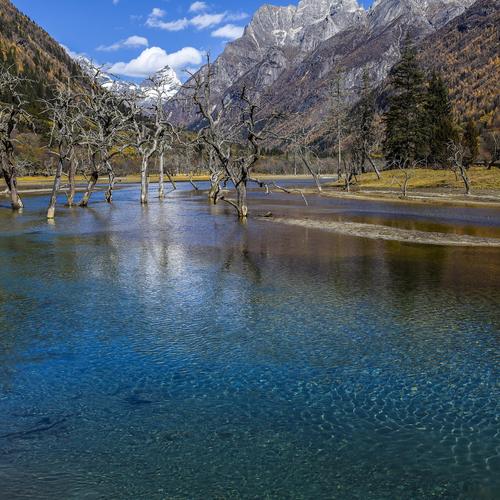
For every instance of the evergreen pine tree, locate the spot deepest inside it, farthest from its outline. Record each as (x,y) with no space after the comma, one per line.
(440,123)
(470,141)
(405,120)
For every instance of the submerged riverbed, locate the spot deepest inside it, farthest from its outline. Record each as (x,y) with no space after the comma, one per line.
(171,352)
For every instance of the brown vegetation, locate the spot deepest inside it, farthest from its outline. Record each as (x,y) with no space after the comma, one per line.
(466,52)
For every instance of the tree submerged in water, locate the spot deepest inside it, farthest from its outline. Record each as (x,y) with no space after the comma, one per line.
(12,112)
(234,131)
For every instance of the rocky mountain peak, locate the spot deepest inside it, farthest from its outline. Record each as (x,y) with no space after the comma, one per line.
(290,53)
(316,10)
(303,25)
(163,83)
(434,13)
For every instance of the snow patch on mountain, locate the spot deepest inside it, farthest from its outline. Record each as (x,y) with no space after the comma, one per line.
(163,84)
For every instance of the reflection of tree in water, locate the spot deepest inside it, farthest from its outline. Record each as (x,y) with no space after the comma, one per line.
(23,316)
(57,273)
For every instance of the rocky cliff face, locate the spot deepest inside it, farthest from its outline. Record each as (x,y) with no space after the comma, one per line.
(277,39)
(373,45)
(290,54)
(431,14)
(304,26)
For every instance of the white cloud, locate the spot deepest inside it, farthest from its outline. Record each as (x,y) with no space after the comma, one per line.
(155,58)
(198,7)
(177,25)
(229,32)
(206,20)
(154,20)
(200,21)
(236,16)
(156,12)
(132,42)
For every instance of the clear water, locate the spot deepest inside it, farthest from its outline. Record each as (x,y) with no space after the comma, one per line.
(170,352)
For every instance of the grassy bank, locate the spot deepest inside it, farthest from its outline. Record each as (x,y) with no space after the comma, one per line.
(440,187)
(29,182)
(423,178)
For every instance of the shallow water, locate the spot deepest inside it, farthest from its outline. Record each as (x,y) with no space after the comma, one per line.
(170,352)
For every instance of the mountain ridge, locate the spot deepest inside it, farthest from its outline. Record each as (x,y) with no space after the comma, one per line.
(293,72)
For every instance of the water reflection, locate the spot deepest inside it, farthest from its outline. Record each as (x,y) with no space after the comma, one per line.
(168,351)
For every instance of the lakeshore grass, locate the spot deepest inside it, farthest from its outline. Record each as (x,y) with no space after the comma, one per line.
(425,178)
(40,180)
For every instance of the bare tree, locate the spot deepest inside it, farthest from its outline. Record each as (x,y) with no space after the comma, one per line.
(300,145)
(217,176)
(458,164)
(147,133)
(75,160)
(338,111)
(163,131)
(64,112)
(234,130)
(350,162)
(406,167)
(362,126)
(107,122)
(11,113)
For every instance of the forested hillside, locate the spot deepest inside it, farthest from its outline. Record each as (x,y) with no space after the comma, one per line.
(466,51)
(32,52)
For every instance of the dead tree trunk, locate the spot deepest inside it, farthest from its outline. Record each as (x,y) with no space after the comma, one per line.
(51,211)
(241,199)
(161,180)
(314,175)
(10,176)
(465,179)
(71,182)
(171,179)
(406,180)
(215,181)
(372,163)
(347,182)
(94,176)
(144,181)
(190,179)
(458,164)
(111,183)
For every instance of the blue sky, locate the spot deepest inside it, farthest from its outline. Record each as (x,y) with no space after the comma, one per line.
(137,37)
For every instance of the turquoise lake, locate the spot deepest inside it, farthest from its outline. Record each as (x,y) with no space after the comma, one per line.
(170,352)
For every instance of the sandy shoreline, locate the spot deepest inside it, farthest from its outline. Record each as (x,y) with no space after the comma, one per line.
(430,198)
(388,233)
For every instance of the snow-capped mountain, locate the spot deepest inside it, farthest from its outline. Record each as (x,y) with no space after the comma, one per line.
(164,83)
